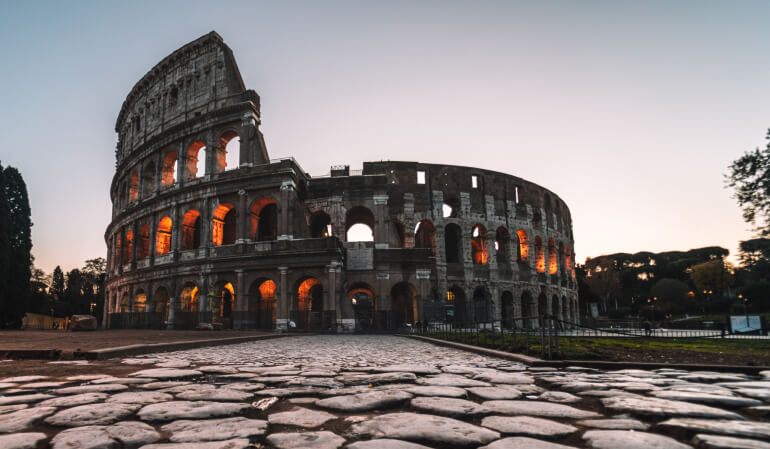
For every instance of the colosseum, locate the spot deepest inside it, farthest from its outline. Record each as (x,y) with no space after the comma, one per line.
(208,231)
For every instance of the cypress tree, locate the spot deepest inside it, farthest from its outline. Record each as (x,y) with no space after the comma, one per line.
(20,238)
(5,251)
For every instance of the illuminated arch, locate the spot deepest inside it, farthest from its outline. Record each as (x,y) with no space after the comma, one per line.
(163,243)
(189,298)
(133,187)
(128,246)
(502,245)
(168,169)
(539,255)
(228,151)
(523,253)
(196,160)
(143,245)
(263,220)
(148,179)
(223,224)
(191,230)
(359,225)
(139,304)
(552,259)
(425,236)
(479,249)
(320,225)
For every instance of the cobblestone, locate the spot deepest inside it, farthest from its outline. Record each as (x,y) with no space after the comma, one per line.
(387,392)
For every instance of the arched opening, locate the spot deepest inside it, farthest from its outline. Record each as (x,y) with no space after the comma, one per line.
(264,290)
(133,188)
(320,225)
(403,304)
(223,225)
(263,220)
(125,303)
(481,305)
(425,236)
(160,301)
(502,245)
(396,234)
(567,258)
(196,160)
(539,255)
(128,246)
(143,246)
(123,195)
(229,151)
(309,304)
(140,302)
(457,309)
(191,230)
(555,307)
(552,261)
(523,255)
(188,298)
(223,303)
(361,297)
(561,257)
(118,250)
(506,311)
(527,312)
(452,243)
(450,207)
(542,309)
(359,225)
(163,243)
(168,172)
(479,249)
(148,179)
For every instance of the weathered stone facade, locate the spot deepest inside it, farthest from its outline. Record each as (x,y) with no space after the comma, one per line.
(259,243)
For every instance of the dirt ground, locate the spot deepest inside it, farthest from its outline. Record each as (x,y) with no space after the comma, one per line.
(680,356)
(101,339)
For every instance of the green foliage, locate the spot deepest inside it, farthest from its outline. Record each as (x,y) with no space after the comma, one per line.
(5,250)
(757,294)
(750,177)
(672,296)
(15,247)
(713,276)
(57,283)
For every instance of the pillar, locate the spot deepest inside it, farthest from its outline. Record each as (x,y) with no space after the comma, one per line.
(287,202)
(242,215)
(239,312)
(381,221)
(282,314)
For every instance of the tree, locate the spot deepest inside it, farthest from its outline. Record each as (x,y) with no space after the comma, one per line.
(714,276)
(672,295)
(750,177)
(5,250)
(57,283)
(19,228)
(603,278)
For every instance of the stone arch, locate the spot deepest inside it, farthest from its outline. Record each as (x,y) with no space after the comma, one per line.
(396,234)
(425,235)
(133,187)
(196,160)
(361,296)
(482,305)
(189,298)
(191,230)
(523,249)
(125,303)
(228,151)
(263,220)
(163,243)
(507,310)
(565,310)
(358,219)
(552,258)
(223,225)
(527,309)
(143,242)
(161,302)
(148,179)
(128,246)
(567,259)
(403,304)
(453,247)
(320,225)
(308,303)
(168,169)
(542,308)
(479,247)
(555,307)
(450,207)
(222,300)
(502,246)
(457,310)
(562,265)
(539,255)
(264,294)
(139,301)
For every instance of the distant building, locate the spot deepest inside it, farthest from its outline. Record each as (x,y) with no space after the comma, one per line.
(207,229)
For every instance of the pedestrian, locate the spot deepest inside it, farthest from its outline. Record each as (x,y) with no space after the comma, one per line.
(647,329)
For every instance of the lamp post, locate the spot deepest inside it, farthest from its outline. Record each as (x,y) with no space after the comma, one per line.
(652,301)
(745,308)
(707,294)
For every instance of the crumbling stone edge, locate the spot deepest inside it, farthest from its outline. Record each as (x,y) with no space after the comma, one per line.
(599,364)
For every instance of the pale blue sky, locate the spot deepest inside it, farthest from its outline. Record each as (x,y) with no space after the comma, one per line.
(630,111)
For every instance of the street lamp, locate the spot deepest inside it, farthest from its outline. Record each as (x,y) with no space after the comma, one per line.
(745,308)
(652,301)
(707,294)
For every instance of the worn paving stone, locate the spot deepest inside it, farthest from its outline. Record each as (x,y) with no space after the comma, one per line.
(528,426)
(524,443)
(449,392)
(71,401)
(629,439)
(747,384)
(217,369)
(756,393)
(451,380)
(122,380)
(23,379)
(244,386)
(167,373)
(265,403)
(289,392)
(365,401)
(170,411)
(43,385)
(12,408)
(741,428)
(561,397)
(711,376)
(614,424)
(385,443)
(28,440)
(646,406)
(91,414)
(161,385)
(103,388)
(541,409)
(376,379)
(416,369)
(505,378)
(23,419)
(430,429)
(722,442)
(449,406)
(216,394)
(306,440)
(496,393)
(128,434)
(705,398)
(184,431)
(173,364)
(238,443)
(24,398)
(301,417)
(140,397)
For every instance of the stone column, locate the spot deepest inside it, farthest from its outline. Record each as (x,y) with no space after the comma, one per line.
(204,299)
(282,315)
(287,202)
(153,237)
(381,221)
(240,310)
(140,186)
(134,241)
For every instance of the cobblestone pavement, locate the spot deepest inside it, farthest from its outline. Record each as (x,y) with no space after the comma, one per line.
(362,392)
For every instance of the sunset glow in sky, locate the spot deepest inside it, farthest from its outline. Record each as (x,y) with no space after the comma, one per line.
(630,111)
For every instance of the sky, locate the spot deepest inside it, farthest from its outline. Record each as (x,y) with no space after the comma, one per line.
(630,111)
